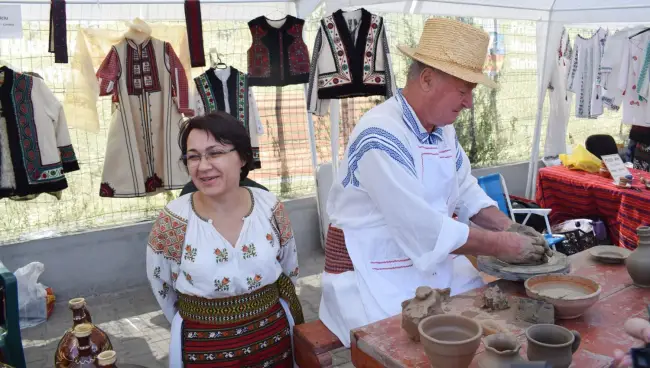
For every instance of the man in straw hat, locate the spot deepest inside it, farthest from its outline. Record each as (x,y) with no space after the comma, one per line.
(403,177)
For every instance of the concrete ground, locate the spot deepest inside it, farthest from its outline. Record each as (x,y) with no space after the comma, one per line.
(138,330)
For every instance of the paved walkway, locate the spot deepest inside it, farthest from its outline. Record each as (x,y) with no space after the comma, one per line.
(138,330)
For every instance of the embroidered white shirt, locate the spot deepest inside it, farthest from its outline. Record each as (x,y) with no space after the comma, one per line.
(186,254)
(397,189)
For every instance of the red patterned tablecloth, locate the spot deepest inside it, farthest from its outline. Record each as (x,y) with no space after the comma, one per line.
(578,194)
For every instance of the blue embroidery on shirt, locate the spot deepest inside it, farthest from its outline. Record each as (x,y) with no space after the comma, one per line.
(414,125)
(376,138)
(459,155)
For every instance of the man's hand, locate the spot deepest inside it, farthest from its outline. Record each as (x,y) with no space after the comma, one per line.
(530,232)
(516,248)
(637,328)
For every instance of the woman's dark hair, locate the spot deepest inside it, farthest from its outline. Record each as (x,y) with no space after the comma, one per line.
(226,130)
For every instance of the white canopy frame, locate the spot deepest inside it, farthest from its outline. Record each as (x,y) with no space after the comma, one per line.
(551,17)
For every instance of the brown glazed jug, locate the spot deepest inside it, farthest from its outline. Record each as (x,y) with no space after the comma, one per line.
(638,262)
(68,349)
(84,357)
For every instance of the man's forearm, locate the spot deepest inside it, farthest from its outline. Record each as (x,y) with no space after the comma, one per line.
(491,218)
(480,242)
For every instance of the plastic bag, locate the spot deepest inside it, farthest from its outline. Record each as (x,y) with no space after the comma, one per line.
(581,159)
(32,295)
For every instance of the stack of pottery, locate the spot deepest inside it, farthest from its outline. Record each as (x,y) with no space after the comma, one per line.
(638,262)
(68,350)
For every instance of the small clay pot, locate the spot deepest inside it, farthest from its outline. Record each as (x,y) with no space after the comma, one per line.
(553,344)
(638,262)
(450,341)
(501,350)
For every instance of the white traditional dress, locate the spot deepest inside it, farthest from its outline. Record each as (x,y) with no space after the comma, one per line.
(397,189)
(632,81)
(584,75)
(228,90)
(229,300)
(150,90)
(560,100)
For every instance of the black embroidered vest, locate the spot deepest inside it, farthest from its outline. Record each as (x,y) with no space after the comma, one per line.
(210,89)
(356,72)
(277,56)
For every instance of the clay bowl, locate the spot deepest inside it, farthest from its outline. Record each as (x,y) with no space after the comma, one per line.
(609,253)
(449,340)
(570,295)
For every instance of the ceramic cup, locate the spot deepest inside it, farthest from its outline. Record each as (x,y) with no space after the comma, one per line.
(553,344)
(449,340)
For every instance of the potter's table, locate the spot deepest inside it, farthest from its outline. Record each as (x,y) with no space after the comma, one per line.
(385,344)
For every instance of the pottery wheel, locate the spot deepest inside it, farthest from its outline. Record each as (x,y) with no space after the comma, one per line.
(558,263)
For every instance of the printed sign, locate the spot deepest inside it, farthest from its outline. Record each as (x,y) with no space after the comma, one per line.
(11,23)
(615,166)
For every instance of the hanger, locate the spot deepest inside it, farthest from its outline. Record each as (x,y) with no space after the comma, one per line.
(219,64)
(138,30)
(638,33)
(276,14)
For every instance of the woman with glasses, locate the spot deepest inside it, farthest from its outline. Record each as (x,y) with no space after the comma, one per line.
(222,261)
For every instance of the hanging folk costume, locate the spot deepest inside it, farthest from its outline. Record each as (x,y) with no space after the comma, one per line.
(351,59)
(229,305)
(278,56)
(149,87)
(35,147)
(228,90)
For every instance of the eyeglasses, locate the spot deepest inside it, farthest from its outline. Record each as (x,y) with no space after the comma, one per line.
(193,159)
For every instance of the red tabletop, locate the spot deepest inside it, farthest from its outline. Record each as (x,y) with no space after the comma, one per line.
(578,194)
(385,344)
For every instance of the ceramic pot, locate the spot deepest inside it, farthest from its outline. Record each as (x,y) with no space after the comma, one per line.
(107,359)
(450,341)
(68,349)
(638,262)
(501,350)
(552,344)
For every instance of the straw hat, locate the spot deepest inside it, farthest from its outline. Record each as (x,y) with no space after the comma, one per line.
(453,47)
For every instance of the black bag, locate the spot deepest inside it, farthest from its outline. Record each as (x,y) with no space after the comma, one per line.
(535,221)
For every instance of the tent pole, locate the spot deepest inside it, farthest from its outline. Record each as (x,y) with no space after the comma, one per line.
(534,155)
(314,161)
(335,117)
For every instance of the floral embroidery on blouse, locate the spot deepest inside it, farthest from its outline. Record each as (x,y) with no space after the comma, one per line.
(188,277)
(156,272)
(165,290)
(221,255)
(269,237)
(295,272)
(254,282)
(249,251)
(190,253)
(174,276)
(223,285)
